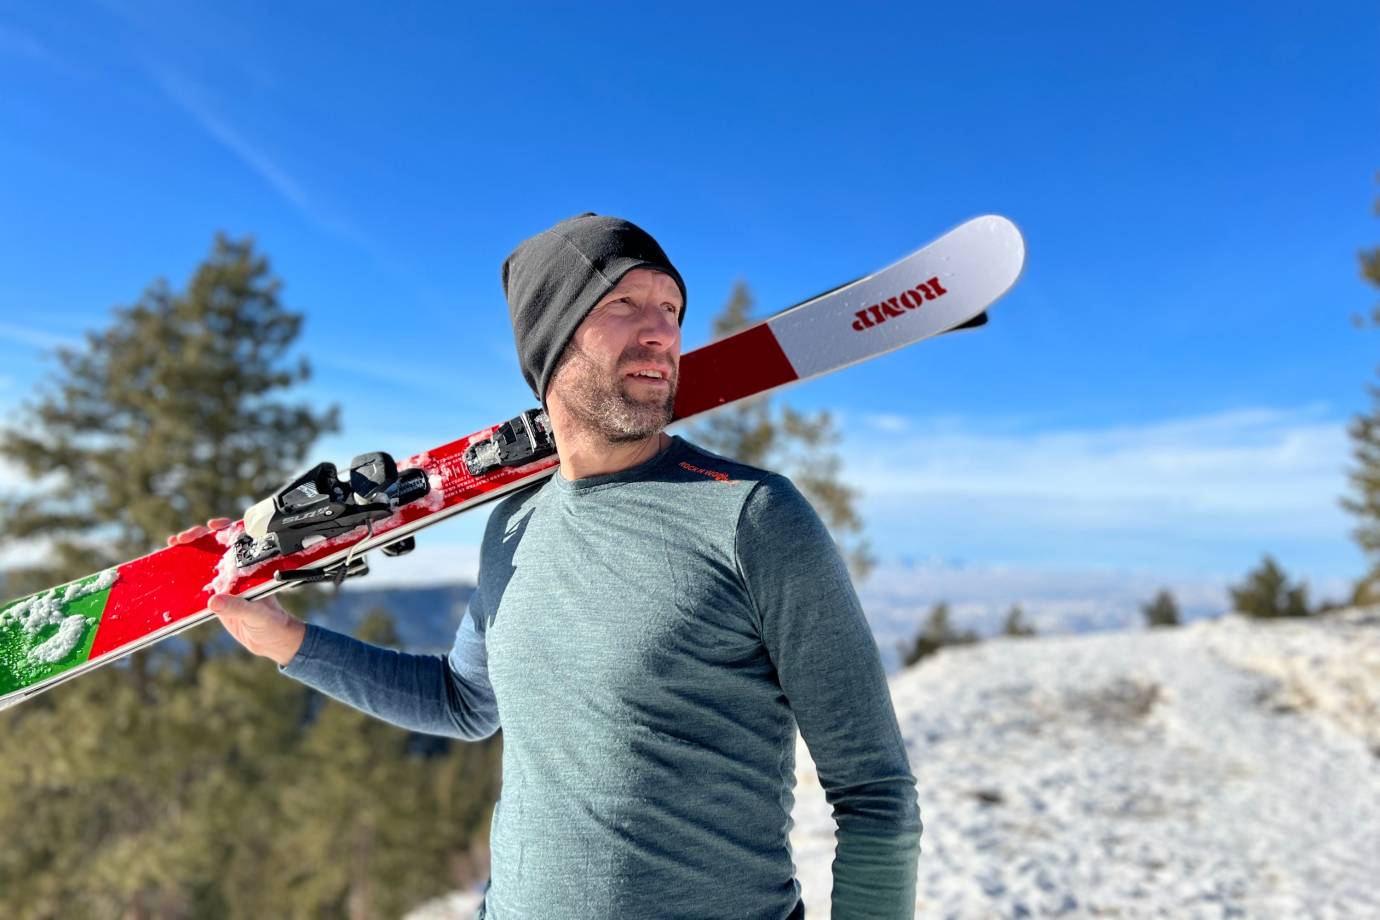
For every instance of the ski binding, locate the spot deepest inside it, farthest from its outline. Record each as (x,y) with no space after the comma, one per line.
(319,505)
(516,442)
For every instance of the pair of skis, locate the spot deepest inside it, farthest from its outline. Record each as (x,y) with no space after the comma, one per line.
(320,525)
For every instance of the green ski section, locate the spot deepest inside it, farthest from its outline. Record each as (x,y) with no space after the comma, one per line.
(47,633)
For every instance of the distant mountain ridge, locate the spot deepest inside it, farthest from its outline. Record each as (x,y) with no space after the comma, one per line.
(426,618)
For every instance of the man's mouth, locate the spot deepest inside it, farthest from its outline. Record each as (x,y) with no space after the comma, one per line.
(650,375)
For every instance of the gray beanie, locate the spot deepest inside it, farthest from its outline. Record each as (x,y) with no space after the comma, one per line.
(555,278)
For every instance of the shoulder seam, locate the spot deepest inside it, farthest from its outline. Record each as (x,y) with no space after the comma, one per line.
(737,555)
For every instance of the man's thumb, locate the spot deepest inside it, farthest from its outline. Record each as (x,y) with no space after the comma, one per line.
(225,603)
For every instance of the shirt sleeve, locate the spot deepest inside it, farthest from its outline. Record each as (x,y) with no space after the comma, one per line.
(831,673)
(435,694)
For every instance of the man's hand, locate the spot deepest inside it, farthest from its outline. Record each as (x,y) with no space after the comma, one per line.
(263,626)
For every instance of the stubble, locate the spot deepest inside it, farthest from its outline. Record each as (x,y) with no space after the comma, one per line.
(602,403)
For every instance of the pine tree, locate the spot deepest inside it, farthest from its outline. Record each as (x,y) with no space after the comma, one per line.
(1162,611)
(1016,623)
(1266,593)
(146,775)
(167,417)
(758,432)
(937,633)
(1364,502)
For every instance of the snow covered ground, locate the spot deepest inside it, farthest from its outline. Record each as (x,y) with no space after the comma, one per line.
(1226,769)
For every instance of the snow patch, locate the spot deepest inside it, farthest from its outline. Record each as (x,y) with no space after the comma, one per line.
(1331,672)
(435,498)
(34,614)
(61,644)
(227,571)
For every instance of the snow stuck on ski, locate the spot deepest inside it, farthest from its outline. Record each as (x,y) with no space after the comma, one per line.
(61,643)
(227,571)
(34,614)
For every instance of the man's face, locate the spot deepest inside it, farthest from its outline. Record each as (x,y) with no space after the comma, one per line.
(618,375)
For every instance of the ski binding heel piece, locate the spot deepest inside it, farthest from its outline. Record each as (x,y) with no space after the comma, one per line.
(516,442)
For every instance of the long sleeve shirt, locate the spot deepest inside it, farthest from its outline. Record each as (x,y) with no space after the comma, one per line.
(649,641)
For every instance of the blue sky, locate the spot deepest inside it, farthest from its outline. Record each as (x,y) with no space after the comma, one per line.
(1165,391)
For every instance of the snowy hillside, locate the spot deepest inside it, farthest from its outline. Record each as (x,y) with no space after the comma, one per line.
(1226,769)
(1229,768)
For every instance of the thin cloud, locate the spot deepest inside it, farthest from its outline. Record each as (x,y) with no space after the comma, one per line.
(398,374)
(890,424)
(1253,461)
(1196,494)
(36,338)
(192,99)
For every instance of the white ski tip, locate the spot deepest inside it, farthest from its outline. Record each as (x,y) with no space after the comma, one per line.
(1007,238)
(930,291)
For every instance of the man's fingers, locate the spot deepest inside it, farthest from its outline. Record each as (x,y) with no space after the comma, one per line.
(237,606)
(192,534)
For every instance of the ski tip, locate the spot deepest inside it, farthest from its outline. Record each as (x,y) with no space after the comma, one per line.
(1010,241)
(997,224)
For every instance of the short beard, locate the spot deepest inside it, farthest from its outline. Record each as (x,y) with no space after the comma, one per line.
(603,406)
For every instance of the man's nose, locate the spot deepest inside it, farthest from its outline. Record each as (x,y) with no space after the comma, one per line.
(658,328)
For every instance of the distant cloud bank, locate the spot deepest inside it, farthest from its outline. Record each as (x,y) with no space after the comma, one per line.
(1200,494)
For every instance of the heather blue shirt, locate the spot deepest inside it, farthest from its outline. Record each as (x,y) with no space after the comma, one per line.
(649,641)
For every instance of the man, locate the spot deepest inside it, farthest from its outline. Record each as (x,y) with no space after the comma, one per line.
(650,626)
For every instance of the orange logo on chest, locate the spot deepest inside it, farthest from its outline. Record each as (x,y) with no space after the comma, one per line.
(712,474)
